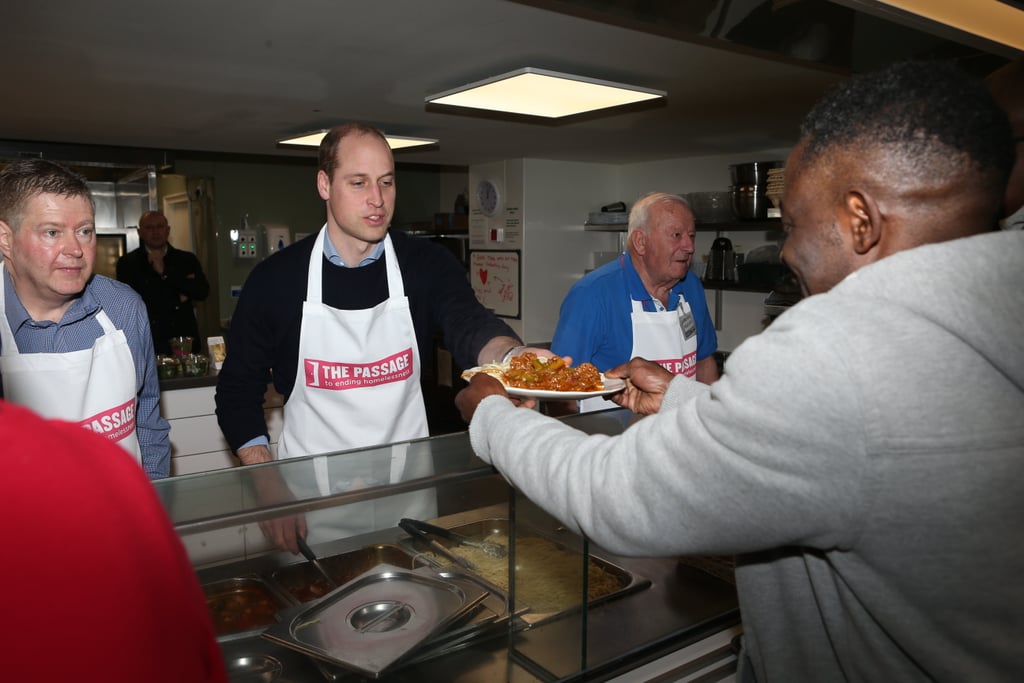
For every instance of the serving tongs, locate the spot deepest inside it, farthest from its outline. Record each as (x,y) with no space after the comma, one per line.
(493,549)
(308,553)
(411,527)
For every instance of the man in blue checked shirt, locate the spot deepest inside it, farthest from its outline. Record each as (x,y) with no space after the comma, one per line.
(73,345)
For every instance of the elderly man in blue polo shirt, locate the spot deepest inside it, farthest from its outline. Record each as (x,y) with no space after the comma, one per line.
(644,303)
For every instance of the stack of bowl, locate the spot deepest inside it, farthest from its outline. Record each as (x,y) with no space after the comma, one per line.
(749,187)
(776,184)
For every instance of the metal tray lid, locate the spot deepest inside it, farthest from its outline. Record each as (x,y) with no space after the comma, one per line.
(375,620)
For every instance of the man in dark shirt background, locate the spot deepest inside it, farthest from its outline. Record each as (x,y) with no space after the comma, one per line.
(168,280)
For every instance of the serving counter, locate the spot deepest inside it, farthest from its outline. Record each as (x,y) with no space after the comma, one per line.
(653,616)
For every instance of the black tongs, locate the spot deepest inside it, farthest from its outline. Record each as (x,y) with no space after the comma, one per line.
(489,548)
(308,553)
(411,527)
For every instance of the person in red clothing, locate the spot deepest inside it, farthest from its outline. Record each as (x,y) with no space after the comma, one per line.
(98,586)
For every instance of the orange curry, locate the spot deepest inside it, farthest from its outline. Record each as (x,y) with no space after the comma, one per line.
(550,374)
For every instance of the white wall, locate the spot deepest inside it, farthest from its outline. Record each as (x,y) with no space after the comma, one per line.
(557,197)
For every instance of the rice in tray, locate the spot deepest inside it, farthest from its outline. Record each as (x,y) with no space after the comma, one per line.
(548,578)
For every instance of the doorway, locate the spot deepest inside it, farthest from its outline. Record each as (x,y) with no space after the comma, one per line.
(179,216)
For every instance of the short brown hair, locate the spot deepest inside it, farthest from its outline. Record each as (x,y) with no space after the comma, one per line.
(24,179)
(328,155)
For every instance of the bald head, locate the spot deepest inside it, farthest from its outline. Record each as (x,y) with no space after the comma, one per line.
(154,230)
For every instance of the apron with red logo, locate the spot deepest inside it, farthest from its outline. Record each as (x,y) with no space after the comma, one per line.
(358,385)
(93,387)
(668,338)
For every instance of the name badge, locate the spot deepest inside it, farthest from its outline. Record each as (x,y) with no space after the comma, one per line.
(686,321)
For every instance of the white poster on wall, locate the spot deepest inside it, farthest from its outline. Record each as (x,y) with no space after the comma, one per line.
(495,279)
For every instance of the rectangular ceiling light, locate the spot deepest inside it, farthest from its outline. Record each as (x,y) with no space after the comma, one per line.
(395,141)
(993,20)
(536,92)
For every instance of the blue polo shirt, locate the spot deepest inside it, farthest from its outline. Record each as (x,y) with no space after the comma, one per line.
(594,324)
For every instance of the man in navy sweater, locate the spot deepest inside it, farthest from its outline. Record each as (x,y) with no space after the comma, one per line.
(341,323)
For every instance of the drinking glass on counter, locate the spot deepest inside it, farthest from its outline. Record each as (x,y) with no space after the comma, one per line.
(168,367)
(195,365)
(181,346)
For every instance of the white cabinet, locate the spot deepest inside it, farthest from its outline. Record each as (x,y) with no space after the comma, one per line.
(197,444)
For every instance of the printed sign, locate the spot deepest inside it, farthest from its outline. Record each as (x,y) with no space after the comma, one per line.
(333,376)
(687,365)
(495,279)
(114,424)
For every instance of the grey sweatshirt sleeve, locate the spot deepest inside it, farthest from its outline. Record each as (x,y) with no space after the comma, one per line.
(771,455)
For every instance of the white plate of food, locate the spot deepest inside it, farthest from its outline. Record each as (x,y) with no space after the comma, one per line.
(611,386)
(527,376)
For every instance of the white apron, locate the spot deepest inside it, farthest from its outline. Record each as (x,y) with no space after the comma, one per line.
(357,385)
(93,387)
(667,339)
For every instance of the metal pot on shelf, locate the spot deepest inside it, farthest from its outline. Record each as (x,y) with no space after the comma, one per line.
(753,173)
(721,261)
(750,202)
(749,187)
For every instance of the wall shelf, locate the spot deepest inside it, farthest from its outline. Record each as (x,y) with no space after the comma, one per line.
(605,227)
(733,287)
(764,225)
(742,226)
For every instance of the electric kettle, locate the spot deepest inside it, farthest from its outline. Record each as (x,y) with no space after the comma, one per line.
(721,262)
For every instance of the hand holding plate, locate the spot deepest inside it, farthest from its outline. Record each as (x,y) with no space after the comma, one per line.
(646,384)
(481,385)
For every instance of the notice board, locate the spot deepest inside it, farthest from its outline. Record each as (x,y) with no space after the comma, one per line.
(495,279)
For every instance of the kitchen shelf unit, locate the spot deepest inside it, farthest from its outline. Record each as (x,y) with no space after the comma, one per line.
(761,225)
(734,287)
(738,225)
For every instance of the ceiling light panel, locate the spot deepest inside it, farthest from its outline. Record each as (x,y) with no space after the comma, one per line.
(989,19)
(536,92)
(394,141)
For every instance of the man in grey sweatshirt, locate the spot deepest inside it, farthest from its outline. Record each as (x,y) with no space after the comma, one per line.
(863,456)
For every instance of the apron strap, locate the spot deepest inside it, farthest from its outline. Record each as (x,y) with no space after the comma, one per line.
(105,322)
(9,346)
(314,280)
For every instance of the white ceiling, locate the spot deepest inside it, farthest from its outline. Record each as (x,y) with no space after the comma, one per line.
(234,75)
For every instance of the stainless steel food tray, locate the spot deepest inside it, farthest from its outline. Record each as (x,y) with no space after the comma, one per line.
(243,606)
(484,529)
(490,618)
(303,583)
(487,620)
(374,621)
(256,659)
